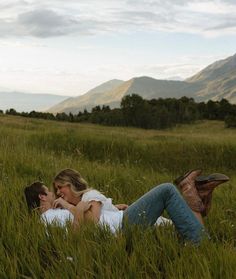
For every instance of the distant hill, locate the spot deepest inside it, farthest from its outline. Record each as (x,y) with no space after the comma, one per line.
(88,100)
(215,82)
(28,102)
(146,87)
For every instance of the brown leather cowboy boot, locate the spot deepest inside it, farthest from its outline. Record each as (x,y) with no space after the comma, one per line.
(186,184)
(205,186)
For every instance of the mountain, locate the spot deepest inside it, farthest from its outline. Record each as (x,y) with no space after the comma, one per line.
(28,102)
(215,82)
(88,100)
(147,87)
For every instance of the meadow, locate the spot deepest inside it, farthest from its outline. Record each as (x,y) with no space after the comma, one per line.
(123,163)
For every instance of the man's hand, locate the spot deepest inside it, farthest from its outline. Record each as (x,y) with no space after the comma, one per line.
(121,206)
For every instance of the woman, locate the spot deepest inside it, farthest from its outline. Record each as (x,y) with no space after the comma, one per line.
(91,204)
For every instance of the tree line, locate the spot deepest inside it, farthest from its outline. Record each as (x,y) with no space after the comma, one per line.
(135,111)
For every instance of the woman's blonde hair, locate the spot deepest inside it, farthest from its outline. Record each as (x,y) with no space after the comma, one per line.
(72,178)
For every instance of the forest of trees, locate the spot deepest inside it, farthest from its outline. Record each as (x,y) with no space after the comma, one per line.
(148,114)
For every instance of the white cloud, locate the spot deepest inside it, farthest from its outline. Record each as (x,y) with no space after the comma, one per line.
(45,23)
(85,17)
(46,46)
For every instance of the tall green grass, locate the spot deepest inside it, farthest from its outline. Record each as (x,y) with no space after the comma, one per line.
(123,163)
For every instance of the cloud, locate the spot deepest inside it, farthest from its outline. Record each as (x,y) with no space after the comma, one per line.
(9,4)
(45,23)
(168,71)
(87,17)
(224,25)
(20,44)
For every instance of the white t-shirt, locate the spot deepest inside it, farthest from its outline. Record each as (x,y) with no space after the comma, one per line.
(110,215)
(57,216)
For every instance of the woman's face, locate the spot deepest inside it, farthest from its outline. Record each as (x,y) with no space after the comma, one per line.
(64,191)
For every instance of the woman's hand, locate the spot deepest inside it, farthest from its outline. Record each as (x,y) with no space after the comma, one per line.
(79,213)
(121,206)
(83,206)
(86,211)
(61,203)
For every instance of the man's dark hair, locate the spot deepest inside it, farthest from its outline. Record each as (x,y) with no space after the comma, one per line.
(32,193)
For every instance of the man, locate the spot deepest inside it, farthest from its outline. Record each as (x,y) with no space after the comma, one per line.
(38,197)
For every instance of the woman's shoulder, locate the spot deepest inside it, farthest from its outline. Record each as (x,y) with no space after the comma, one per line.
(93,195)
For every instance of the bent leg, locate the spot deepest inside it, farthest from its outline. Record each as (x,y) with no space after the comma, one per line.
(150,206)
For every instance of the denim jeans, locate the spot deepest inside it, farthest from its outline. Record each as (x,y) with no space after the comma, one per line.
(150,206)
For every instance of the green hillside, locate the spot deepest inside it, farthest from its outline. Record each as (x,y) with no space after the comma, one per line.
(123,163)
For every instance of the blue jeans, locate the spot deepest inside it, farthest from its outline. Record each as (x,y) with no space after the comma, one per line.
(150,206)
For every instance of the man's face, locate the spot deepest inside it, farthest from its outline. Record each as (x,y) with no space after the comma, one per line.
(50,196)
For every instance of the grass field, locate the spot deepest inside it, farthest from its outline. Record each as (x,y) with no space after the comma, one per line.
(122,163)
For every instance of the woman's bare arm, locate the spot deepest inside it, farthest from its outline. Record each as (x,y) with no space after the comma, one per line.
(94,212)
(86,211)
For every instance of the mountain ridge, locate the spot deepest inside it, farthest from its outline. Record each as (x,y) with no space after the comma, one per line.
(83,99)
(216,81)
(145,86)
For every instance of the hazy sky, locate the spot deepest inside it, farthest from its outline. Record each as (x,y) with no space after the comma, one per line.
(67,47)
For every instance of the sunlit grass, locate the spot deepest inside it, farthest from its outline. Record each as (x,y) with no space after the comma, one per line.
(123,163)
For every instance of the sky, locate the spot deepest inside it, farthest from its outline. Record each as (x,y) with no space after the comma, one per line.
(67,47)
